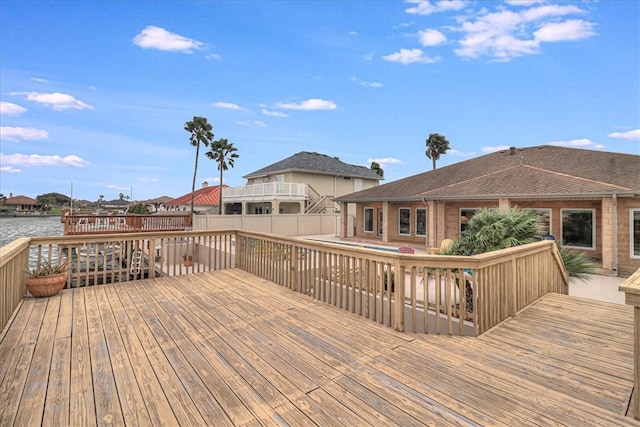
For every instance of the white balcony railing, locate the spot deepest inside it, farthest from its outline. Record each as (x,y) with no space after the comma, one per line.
(266,191)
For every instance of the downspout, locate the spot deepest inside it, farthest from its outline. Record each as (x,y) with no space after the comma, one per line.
(614,224)
(426,235)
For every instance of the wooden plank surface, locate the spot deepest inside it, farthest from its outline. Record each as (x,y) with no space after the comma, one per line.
(229,348)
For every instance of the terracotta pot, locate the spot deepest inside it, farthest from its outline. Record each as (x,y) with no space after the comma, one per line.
(188,262)
(46,286)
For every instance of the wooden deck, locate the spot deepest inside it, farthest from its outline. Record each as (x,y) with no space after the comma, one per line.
(228,348)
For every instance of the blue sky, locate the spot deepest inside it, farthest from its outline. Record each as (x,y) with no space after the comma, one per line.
(96,93)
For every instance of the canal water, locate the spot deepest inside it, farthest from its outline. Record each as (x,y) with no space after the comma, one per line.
(12,228)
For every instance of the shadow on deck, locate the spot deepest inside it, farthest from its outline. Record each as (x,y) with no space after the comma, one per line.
(229,348)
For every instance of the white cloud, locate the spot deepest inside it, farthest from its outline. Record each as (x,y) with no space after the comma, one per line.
(9,133)
(40,160)
(153,37)
(573,29)
(11,109)
(39,80)
(365,83)
(353,33)
(213,57)
(308,105)
(227,106)
(523,2)
(577,143)
(274,113)
(385,161)
(258,123)
(494,148)
(425,7)
(57,101)
(431,37)
(367,56)
(459,153)
(9,169)
(507,34)
(631,134)
(410,56)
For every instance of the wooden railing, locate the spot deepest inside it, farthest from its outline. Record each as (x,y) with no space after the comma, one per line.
(631,288)
(110,224)
(441,294)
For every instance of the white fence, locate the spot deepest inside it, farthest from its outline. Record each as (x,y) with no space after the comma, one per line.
(282,224)
(266,191)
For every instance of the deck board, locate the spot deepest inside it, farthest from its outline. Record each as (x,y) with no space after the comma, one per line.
(229,348)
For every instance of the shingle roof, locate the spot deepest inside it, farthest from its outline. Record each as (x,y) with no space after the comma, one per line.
(543,171)
(317,163)
(208,196)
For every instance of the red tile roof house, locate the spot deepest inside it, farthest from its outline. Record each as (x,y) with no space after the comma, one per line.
(205,200)
(19,205)
(589,199)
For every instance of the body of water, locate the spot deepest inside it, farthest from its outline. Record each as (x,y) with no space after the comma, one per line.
(12,228)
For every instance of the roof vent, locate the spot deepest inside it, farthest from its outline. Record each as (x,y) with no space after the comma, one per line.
(512,150)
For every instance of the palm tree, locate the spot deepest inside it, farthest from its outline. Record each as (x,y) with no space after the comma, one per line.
(201,132)
(224,153)
(436,145)
(375,166)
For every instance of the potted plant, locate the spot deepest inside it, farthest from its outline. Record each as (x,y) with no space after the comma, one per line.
(187,260)
(47,279)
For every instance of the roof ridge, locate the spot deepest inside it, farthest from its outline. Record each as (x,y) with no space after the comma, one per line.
(575,177)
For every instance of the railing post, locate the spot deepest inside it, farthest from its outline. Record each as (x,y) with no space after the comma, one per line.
(631,288)
(398,278)
(293,268)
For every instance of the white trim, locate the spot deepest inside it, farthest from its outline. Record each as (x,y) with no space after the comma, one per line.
(593,227)
(631,231)
(364,220)
(400,233)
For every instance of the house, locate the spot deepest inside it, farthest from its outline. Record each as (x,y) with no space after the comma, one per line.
(158,204)
(588,199)
(303,183)
(19,205)
(205,199)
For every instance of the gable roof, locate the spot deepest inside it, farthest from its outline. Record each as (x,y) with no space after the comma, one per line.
(316,163)
(207,196)
(532,172)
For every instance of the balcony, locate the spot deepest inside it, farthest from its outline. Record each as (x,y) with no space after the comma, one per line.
(269,330)
(265,192)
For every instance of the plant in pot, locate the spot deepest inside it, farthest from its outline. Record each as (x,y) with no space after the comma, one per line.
(48,278)
(187,260)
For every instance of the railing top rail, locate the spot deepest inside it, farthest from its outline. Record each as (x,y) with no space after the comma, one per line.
(632,284)
(7,252)
(102,237)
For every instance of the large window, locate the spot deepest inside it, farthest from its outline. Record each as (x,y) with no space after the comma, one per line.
(579,228)
(421,222)
(635,233)
(368,220)
(404,221)
(465,216)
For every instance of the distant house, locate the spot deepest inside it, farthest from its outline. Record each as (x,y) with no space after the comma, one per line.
(303,183)
(158,204)
(19,205)
(588,199)
(205,200)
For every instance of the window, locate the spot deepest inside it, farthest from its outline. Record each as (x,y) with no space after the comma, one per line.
(635,233)
(421,222)
(545,219)
(578,228)
(465,216)
(404,221)
(368,220)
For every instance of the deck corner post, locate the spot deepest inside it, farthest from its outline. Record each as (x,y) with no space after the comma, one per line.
(631,288)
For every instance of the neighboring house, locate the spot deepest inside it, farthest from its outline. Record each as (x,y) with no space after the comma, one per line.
(158,204)
(303,183)
(19,205)
(114,205)
(205,200)
(589,199)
